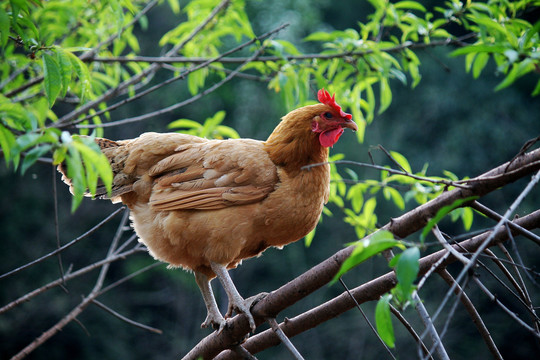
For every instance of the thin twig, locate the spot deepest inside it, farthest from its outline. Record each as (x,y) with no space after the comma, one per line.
(284,339)
(64,247)
(391,171)
(367,320)
(505,309)
(527,297)
(519,298)
(123,318)
(72,315)
(495,216)
(430,329)
(411,331)
(447,246)
(286,58)
(68,276)
(90,54)
(509,276)
(475,316)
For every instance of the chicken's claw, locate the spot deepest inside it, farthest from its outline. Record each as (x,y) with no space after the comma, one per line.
(244,306)
(216,321)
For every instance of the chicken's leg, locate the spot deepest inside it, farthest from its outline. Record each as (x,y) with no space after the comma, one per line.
(236,302)
(214,317)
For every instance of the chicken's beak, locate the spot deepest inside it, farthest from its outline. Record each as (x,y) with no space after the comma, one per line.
(350,125)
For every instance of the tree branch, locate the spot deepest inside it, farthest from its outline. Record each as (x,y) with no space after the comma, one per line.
(285,58)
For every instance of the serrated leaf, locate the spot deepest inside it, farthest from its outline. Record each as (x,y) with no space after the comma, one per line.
(383,321)
(52,79)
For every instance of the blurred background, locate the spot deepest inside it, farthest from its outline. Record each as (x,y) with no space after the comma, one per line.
(449,121)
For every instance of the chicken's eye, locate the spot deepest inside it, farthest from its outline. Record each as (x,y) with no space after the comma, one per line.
(328,115)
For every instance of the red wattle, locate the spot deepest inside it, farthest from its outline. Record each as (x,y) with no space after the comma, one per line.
(329,137)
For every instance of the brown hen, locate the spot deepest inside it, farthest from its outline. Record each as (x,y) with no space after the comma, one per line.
(205,205)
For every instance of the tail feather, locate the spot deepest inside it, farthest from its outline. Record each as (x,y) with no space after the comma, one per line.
(121,183)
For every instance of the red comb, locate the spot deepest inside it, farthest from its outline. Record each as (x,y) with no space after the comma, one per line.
(325,98)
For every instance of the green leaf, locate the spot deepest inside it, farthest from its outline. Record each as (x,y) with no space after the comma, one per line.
(386,95)
(66,70)
(7,143)
(309,237)
(518,70)
(227,132)
(184,123)
(4,28)
(407,269)
(478,49)
(402,161)
(366,248)
(95,160)
(480,62)
(175,6)
(319,36)
(52,79)
(31,157)
(383,320)
(82,73)
(390,192)
(75,172)
(442,213)
(413,5)
(467,217)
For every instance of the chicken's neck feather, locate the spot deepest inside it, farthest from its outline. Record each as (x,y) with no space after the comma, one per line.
(293,144)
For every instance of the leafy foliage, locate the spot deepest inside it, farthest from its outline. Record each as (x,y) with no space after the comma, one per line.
(58,78)
(211,128)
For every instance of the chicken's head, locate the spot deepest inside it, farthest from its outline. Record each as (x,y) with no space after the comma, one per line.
(329,124)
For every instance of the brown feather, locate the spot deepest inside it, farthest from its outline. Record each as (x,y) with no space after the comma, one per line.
(195,200)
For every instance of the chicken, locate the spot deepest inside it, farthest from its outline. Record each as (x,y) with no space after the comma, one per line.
(205,205)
